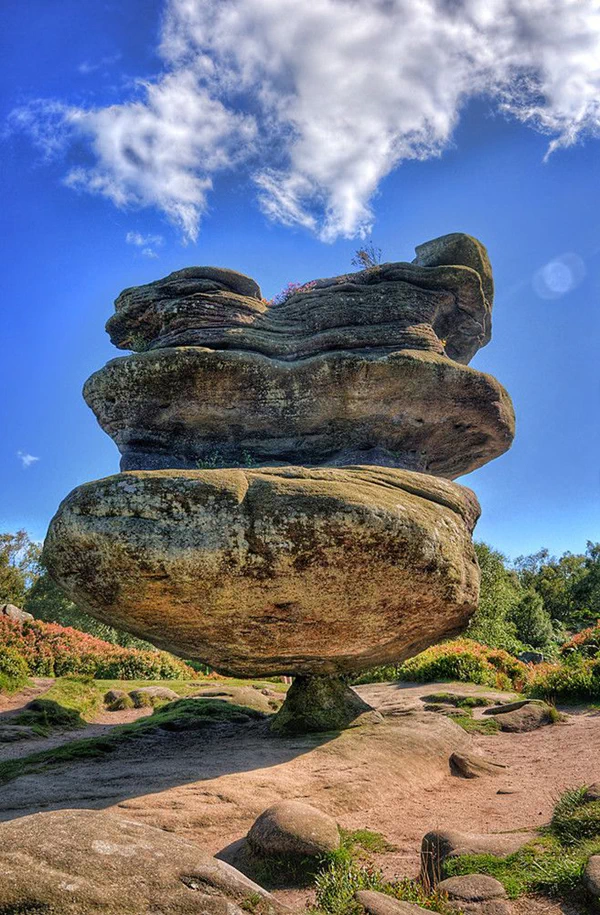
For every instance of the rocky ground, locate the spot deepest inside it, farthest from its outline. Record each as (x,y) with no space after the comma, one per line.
(392,777)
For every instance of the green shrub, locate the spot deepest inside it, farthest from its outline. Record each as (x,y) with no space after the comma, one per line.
(466,661)
(576,680)
(14,671)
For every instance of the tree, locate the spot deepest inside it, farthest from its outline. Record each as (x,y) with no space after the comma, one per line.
(586,589)
(533,624)
(19,566)
(557,581)
(499,595)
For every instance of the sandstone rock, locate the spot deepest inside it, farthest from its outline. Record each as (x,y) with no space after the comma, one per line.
(393,307)
(113,695)
(471,765)
(279,570)
(458,248)
(316,704)
(591,877)
(380,904)
(149,695)
(294,828)
(15,613)
(174,408)
(441,844)
(522,716)
(476,894)
(79,862)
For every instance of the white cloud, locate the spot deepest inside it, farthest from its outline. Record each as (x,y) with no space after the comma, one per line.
(147,243)
(340,93)
(26,459)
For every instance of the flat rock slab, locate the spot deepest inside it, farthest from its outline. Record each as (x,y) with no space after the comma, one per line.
(80,862)
(270,571)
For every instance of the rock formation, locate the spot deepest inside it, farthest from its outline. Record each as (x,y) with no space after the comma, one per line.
(286,505)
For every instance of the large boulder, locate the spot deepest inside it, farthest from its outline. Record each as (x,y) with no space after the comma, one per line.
(79,862)
(295,829)
(15,613)
(191,406)
(591,877)
(275,570)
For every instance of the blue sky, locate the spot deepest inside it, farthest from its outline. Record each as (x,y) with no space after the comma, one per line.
(282,210)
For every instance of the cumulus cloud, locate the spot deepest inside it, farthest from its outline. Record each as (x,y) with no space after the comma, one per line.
(26,459)
(319,101)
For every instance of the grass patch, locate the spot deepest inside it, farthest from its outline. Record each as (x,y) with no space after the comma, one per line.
(180,715)
(477,725)
(68,704)
(374,843)
(552,865)
(465,702)
(340,878)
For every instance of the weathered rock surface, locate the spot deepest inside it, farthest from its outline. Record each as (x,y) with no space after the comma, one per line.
(445,294)
(522,716)
(441,844)
(362,368)
(379,904)
(418,410)
(317,704)
(278,570)
(295,829)
(79,862)
(476,894)
(591,877)
(472,765)
(11,733)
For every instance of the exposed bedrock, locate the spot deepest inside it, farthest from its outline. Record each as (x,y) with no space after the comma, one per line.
(276,570)
(442,301)
(174,408)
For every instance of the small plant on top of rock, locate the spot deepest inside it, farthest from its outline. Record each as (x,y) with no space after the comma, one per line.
(289,290)
(368,257)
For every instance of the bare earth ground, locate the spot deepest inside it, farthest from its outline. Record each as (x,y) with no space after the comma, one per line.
(392,777)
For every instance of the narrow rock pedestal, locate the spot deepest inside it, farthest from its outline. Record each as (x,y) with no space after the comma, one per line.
(317,704)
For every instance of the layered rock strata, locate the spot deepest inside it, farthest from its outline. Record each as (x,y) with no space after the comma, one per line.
(284,507)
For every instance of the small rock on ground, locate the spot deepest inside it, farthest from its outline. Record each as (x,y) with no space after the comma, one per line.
(471,765)
(294,828)
(523,716)
(591,877)
(478,894)
(380,904)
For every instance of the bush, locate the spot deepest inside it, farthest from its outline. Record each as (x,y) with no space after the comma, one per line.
(585,644)
(13,670)
(575,680)
(50,650)
(466,661)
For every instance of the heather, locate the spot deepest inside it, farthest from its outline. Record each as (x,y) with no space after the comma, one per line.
(50,650)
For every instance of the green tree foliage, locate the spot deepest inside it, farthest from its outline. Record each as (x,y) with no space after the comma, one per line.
(533,624)
(19,566)
(500,593)
(569,586)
